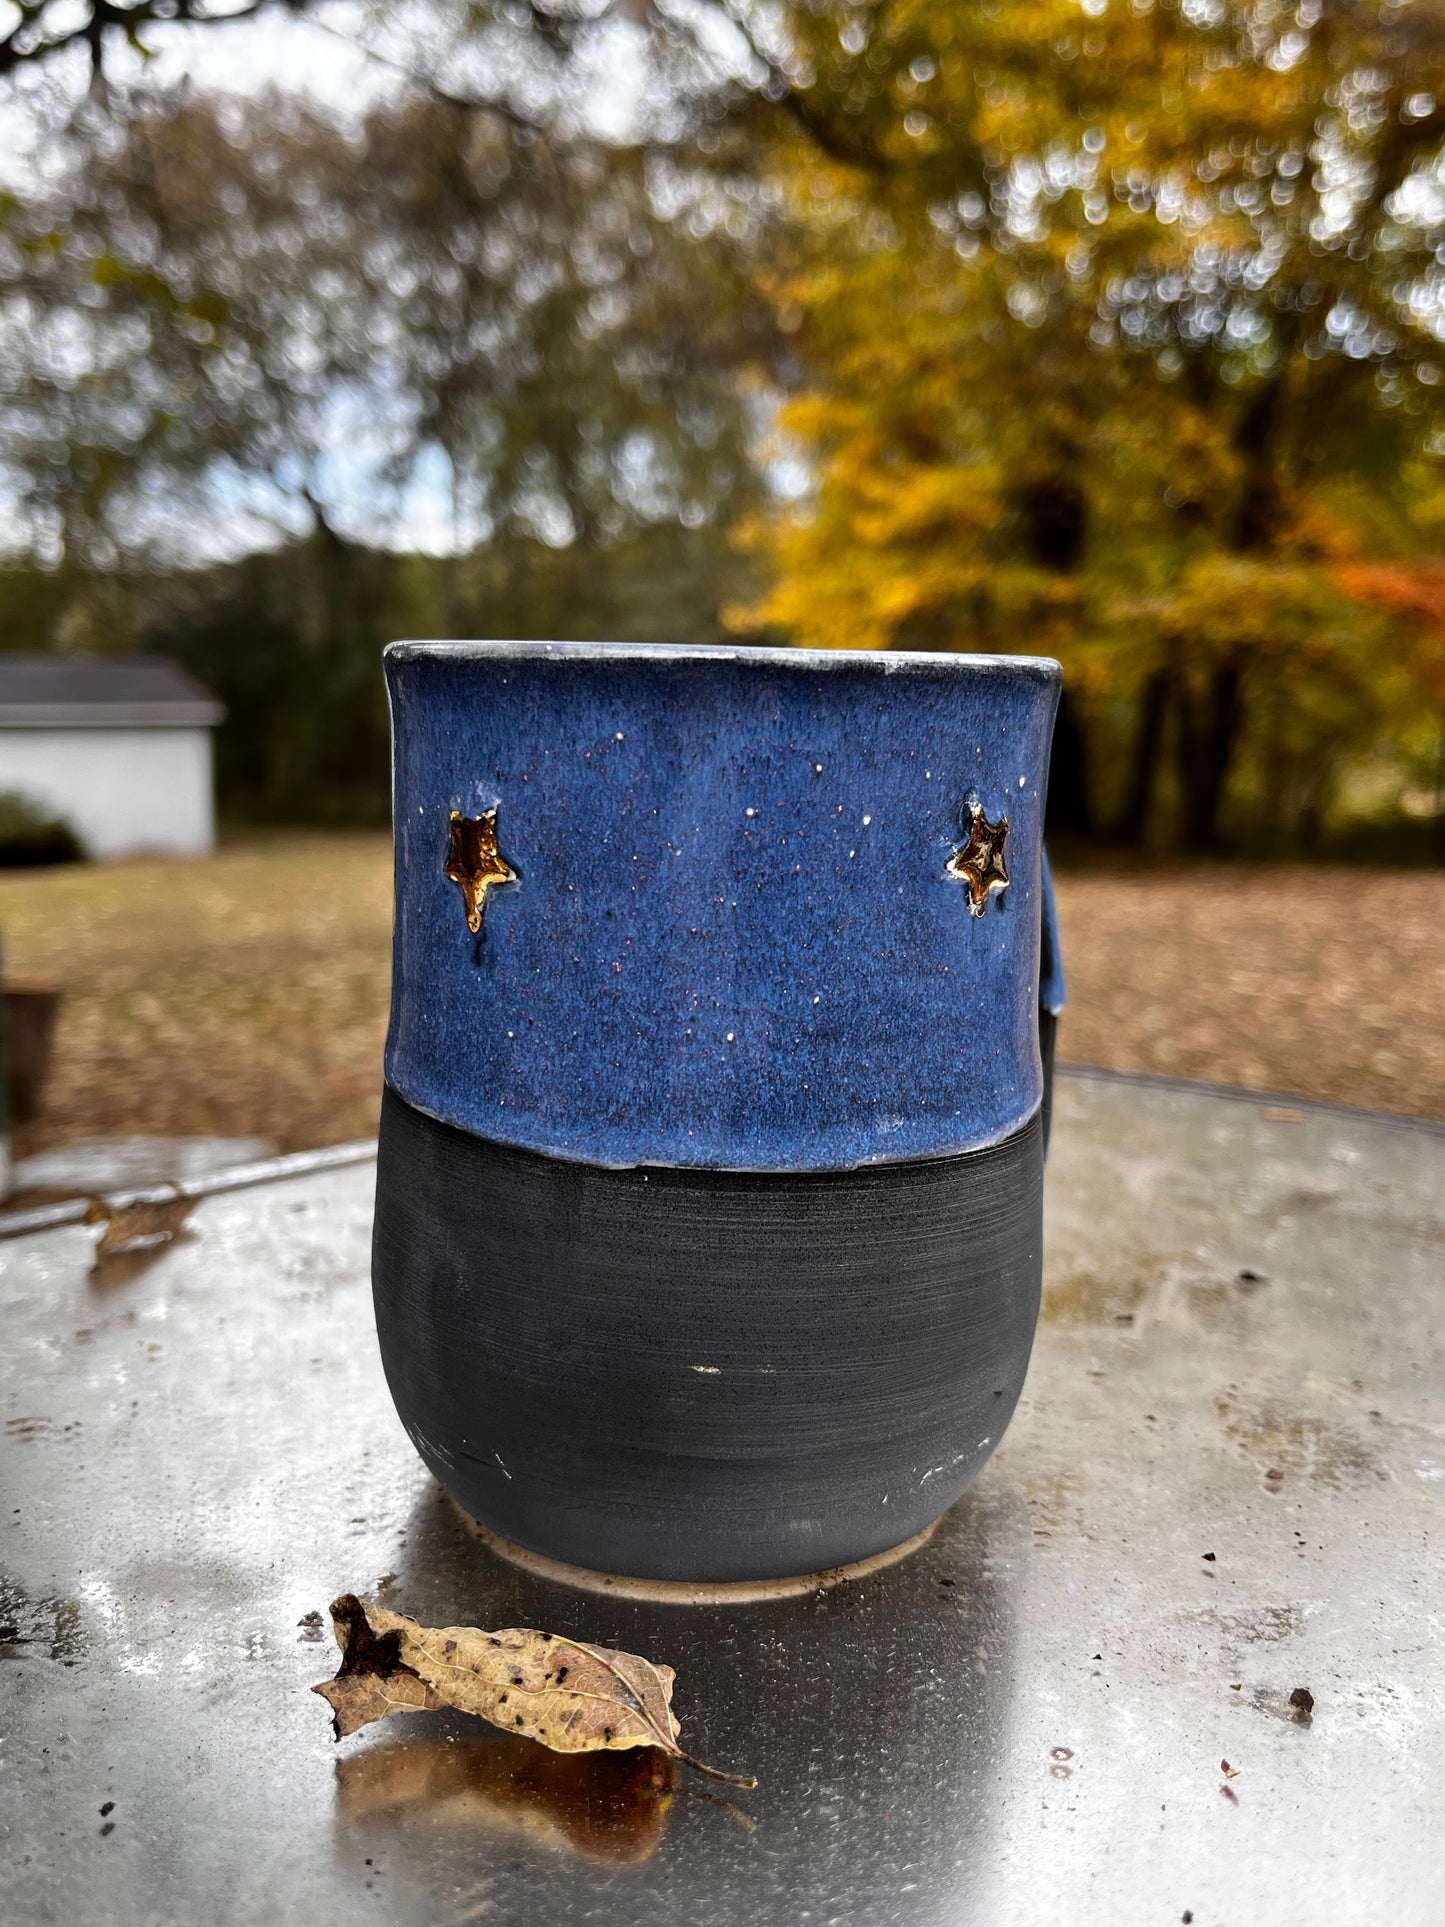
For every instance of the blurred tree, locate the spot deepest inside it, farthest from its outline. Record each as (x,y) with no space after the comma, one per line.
(1412,592)
(289,641)
(1098,311)
(44,33)
(231,306)
(39,30)
(1112,330)
(232,324)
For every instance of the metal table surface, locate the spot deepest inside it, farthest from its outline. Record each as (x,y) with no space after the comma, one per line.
(1225,1481)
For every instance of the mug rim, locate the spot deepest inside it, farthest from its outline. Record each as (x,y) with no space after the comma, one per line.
(1044,669)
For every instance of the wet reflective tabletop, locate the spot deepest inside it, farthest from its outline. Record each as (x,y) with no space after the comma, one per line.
(1225,1483)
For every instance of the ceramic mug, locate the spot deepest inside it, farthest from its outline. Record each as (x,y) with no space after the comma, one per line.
(708,1228)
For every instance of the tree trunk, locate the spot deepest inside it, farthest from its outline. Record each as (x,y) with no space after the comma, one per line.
(1208,733)
(1311,818)
(1133,817)
(1068,811)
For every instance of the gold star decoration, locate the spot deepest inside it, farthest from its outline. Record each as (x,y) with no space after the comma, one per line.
(474,862)
(979,864)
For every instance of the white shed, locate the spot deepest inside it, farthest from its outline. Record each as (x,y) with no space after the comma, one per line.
(119,746)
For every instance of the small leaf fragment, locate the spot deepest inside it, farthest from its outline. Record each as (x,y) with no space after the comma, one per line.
(572,1697)
(132,1227)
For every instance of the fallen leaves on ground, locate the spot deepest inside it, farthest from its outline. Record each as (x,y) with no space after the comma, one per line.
(572,1697)
(1319,981)
(237,995)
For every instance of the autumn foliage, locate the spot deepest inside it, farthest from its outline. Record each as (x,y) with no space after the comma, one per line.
(1108,329)
(1115,335)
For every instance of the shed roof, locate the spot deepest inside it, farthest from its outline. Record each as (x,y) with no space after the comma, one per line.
(101,692)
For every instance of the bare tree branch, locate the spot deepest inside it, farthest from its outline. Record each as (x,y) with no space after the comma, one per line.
(431,87)
(29,41)
(849,146)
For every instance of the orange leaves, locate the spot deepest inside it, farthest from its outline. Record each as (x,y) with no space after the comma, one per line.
(1413,593)
(1415,590)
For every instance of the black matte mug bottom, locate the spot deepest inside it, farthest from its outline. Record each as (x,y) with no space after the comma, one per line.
(702,1375)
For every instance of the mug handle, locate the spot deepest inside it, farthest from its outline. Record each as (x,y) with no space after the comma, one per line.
(1051,990)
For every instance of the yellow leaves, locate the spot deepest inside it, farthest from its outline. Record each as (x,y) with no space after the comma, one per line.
(1056,301)
(921,504)
(821,418)
(887,546)
(569,1696)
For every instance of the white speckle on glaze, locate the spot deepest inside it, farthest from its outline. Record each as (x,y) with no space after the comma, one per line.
(947,1466)
(866,821)
(709,1371)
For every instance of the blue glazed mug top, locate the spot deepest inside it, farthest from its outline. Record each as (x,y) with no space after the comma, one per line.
(718,908)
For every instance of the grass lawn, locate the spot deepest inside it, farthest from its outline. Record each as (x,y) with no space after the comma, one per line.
(246,993)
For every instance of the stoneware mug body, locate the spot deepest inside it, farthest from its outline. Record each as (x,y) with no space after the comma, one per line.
(708,1229)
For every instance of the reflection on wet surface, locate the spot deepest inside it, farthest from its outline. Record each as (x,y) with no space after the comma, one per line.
(32,1627)
(113,1269)
(608,1807)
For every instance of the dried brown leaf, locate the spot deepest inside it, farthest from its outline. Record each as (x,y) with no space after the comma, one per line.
(572,1697)
(131,1227)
